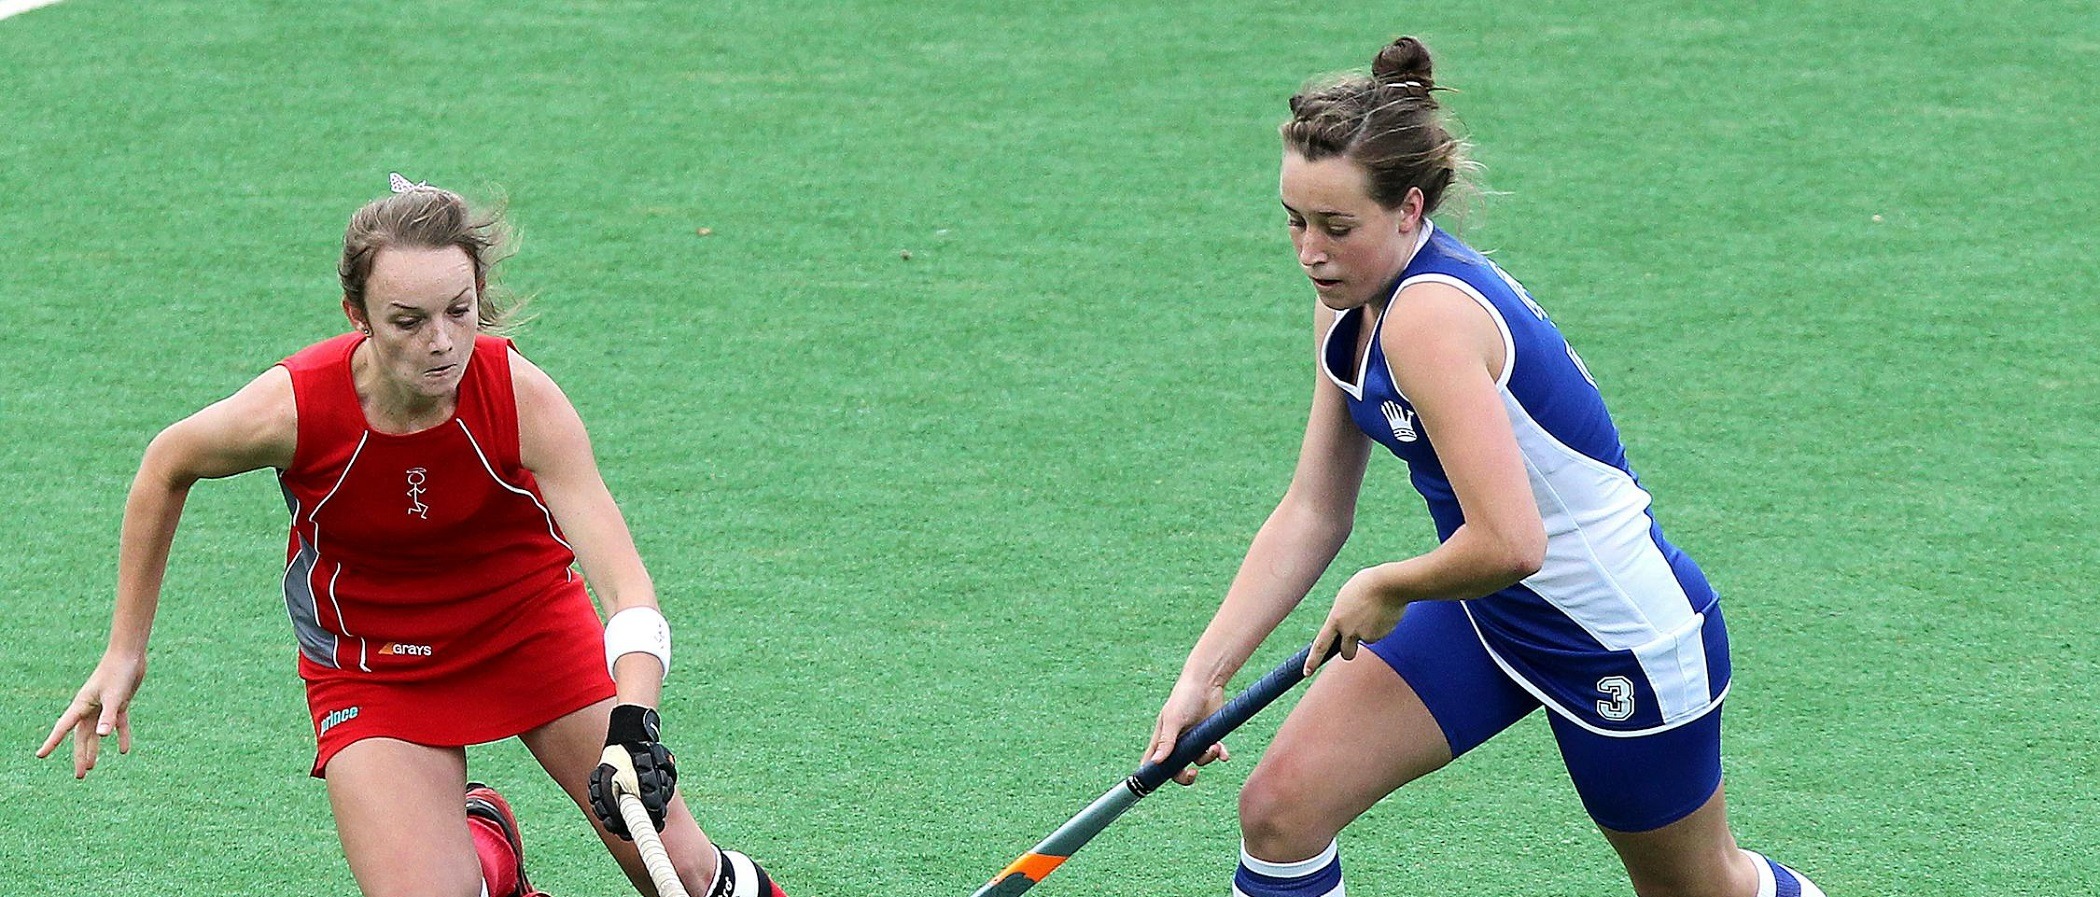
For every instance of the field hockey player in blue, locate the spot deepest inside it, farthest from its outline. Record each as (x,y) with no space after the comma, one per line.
(1552,584)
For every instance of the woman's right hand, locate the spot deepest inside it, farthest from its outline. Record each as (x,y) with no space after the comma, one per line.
(1190,702)
(103,706)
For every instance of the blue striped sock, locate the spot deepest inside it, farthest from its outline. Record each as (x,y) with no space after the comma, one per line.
(1320,876)
(1777,880)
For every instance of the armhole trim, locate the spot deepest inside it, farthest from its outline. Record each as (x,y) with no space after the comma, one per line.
(1509,342)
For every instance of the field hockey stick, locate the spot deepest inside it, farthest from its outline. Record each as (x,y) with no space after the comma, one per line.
(1044,858)
(649,843)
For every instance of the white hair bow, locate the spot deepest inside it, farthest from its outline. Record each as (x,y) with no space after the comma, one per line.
(403,185)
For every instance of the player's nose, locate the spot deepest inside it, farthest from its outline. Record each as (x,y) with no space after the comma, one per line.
(1310,253)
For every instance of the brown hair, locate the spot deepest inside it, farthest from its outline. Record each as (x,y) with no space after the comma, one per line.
(1388,122)
(420,216)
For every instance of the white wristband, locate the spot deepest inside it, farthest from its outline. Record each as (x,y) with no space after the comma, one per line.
(638,630)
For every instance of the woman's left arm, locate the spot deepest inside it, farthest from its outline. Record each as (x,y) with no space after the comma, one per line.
(553,445)
(1446,354)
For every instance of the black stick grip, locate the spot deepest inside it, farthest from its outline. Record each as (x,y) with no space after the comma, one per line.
(1240,709)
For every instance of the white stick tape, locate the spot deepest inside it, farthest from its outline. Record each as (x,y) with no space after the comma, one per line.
(17,7)
(651,846)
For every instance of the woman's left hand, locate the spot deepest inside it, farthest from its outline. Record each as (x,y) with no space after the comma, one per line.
(1364,611)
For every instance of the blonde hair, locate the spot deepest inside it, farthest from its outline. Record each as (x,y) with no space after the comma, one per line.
(426,217)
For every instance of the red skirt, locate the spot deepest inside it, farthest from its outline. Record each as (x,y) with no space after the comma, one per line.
(551,665)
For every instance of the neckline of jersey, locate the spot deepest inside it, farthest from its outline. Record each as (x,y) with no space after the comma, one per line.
(364,420)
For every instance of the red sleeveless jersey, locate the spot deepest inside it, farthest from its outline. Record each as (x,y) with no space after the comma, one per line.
(432,592)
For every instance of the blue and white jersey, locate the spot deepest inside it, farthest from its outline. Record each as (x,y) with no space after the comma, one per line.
(1618,631)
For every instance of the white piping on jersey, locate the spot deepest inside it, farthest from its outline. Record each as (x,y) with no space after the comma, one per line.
(1617,565)
(1669,723)
(361,645)
(1681,659)
(285,582)
(345,475)
(524,492)
(311,516)
(1363,363)
(1611,497)
(1614,498)
(1509,342)
(1603,569)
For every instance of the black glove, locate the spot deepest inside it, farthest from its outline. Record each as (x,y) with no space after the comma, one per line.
(640,766)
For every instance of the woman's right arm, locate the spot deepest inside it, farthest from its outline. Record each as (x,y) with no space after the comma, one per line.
(254,428)
(1288,554)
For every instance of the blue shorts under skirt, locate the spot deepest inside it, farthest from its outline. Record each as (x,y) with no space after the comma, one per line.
(1627,783)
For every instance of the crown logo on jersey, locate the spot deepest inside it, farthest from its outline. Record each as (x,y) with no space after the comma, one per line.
(1402,420)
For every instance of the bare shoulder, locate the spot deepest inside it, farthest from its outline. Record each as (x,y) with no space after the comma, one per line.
(549,430)
(537,393)
(267,410)
(1434,305)
(257,426)
(526,376)
(1436,323)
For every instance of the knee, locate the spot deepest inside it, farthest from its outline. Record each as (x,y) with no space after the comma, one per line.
(1280,820)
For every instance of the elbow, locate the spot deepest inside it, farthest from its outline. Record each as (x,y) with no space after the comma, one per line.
(1520,555)
(1328,524)
(159,467)
(1529,558)
(1526,561)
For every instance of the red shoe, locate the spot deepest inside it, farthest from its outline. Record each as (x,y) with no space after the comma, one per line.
(484,803)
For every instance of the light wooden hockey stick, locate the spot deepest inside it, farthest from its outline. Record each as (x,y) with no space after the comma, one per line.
(649,843)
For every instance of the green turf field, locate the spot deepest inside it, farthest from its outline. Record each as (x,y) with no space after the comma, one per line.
(937,530)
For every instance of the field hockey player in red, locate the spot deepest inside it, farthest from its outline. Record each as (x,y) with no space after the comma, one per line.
(443,493)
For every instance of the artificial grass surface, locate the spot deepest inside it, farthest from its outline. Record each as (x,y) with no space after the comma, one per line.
(936,532)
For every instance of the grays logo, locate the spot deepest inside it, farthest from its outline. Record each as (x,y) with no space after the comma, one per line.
(416,477)
(1401,419)
(338,717)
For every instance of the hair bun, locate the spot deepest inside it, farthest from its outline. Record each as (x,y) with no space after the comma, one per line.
(1401,61)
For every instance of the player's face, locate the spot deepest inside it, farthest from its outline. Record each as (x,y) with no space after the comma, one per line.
(1350,246)
(422,308)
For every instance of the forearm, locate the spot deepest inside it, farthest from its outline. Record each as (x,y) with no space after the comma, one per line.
(1292,549)
(151,512)
(639,679)
(1472,563)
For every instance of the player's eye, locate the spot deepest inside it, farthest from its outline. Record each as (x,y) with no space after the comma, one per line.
(1296,223)
(459,311)
(407,323)
(1338,232)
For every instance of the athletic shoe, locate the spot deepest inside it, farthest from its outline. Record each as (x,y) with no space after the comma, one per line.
(484,803)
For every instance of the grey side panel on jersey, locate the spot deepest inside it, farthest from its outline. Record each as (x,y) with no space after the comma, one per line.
(315,643)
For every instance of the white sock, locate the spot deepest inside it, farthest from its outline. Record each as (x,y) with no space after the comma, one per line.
(1320,876)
